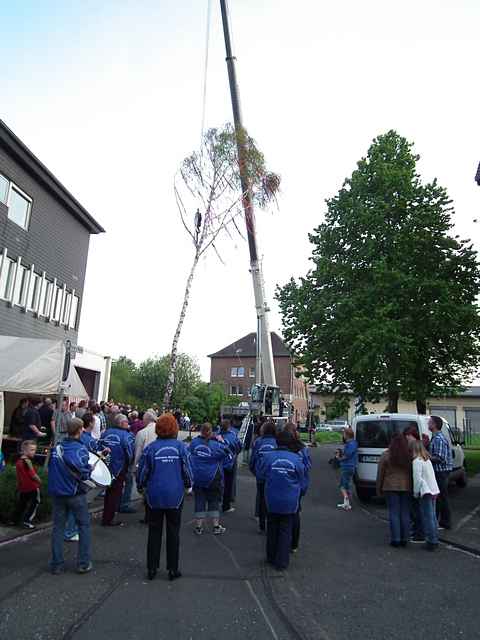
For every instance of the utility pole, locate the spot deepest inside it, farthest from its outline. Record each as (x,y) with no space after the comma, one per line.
(264,341)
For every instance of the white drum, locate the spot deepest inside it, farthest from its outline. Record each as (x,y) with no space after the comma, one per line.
(100,476)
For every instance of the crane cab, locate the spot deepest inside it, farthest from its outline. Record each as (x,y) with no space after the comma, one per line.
(265,400)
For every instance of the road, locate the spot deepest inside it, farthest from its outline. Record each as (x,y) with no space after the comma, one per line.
(345,582)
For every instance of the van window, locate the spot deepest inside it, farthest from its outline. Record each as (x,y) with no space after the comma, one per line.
(378,433)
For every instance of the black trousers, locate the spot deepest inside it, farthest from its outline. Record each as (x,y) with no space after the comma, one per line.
(261,507)
(27,504)
(229,481)
(443,505)
(279,538)
(173,518)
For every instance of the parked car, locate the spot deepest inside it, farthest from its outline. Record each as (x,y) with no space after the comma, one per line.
(324,427)
(374,432)
(337,425)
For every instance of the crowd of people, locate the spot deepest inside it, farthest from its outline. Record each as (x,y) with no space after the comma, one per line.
(143,448)
(413,478)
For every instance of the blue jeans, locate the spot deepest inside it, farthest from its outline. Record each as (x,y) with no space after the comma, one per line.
(346,477)
(77,505)
(127,492)
(207,501)
(429,518)
(399,515)
(71,528)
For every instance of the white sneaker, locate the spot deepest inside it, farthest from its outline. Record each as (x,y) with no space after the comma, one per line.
(74,538)
(218,530)
(345,507)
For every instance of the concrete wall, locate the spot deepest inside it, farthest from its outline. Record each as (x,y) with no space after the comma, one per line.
(434,406)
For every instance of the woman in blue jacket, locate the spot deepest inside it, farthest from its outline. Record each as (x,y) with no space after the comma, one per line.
(163,473)
(230,465)
(266,442)
(208,454)
(284,473)
(297,446)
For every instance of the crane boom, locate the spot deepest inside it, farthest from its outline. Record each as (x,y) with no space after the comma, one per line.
(264,339)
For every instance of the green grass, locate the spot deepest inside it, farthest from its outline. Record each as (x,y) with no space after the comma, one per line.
(325,437)
(472,460)
(473,442)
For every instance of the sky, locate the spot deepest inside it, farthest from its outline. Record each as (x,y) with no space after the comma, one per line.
(108,94)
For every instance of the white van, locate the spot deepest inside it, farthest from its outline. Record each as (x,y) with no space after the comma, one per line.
(373,433)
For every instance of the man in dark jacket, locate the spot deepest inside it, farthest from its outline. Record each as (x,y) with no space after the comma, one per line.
(32,421)
(67,469)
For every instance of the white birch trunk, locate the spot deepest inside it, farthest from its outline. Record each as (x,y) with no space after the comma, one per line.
(174,352)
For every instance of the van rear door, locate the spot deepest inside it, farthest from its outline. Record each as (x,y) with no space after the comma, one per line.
(373,436)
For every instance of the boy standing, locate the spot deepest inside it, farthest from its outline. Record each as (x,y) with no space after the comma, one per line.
(28,486)
(348,460)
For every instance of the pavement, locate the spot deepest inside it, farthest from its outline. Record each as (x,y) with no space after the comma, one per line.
(345,582)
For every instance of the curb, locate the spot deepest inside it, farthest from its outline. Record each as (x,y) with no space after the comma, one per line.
(45,526)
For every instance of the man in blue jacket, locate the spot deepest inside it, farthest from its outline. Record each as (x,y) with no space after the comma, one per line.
(230,464)
(284,482)
(67,469)
(122,449)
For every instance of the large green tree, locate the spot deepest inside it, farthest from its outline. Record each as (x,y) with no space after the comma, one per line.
(390,304)
(145,384)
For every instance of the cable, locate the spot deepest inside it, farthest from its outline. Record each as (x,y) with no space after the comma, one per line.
(205,71)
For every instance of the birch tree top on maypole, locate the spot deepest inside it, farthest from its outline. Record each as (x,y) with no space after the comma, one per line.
(209,198)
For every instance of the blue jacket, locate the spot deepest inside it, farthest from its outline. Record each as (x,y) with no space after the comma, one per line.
(122,448)
(206,459)
(284,473)
(64,475)
(235,446)
(90,442)
(307,463)
(161,471)
(260,446)
(349,459)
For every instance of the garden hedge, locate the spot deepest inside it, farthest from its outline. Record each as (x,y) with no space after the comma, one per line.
(8,492)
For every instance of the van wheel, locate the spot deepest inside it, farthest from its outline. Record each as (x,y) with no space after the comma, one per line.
(364,495)
(462,480)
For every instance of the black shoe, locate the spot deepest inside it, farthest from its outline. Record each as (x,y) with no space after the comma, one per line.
(173,575)
(395,544)
(152,573)
(403,543)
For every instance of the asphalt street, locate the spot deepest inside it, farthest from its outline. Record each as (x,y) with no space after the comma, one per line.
(345,582)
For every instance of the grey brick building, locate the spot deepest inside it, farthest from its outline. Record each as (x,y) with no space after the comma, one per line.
(44,240)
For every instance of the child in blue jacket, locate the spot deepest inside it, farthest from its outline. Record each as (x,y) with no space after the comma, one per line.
(284,473)
(348,459)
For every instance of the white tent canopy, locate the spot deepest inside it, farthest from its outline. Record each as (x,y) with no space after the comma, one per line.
(34,367)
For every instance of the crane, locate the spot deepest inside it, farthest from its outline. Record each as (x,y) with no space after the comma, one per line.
(265,394)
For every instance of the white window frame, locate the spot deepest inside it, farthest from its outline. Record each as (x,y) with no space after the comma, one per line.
(22,193)
(251,372)
(8,189)
(233,372)
(72,321)
(242,369)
